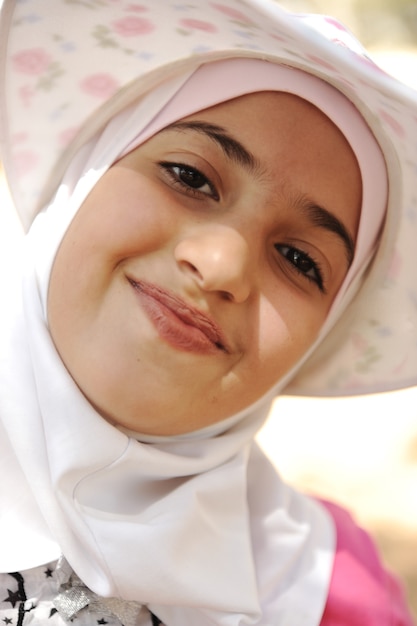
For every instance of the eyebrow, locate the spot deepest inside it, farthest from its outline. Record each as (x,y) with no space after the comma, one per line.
(237,152)
(231,147)
(324,219)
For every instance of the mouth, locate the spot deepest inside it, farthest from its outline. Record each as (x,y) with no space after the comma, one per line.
(179,324)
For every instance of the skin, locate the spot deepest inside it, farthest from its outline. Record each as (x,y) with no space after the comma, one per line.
(231,236)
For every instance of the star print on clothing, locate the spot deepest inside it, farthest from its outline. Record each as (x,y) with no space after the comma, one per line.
(31,597)
(18,598)
(14,597)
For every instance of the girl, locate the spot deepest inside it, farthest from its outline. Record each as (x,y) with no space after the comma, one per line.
(221,197)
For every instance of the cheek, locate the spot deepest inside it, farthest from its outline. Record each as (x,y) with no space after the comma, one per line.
(117,222)
(125,216)
(146,222)
(287,329)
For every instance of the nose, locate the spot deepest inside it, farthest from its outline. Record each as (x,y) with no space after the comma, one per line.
(218,260)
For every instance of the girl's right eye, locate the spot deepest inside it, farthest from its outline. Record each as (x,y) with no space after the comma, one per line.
(190,180)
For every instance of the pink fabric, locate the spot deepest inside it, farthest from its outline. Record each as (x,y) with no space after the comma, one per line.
(362,592)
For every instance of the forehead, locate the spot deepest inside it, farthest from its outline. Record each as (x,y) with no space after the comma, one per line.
(280,112)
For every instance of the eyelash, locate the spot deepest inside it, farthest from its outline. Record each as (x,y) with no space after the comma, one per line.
(298,256)
(183,168)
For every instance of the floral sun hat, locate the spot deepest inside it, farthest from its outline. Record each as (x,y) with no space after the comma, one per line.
(52,103)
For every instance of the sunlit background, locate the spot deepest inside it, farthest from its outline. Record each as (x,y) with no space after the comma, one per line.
(361,452)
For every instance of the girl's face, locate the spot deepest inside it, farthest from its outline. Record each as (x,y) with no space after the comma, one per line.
(203,264)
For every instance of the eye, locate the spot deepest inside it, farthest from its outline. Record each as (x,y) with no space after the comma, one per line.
(303,264)
(190,179)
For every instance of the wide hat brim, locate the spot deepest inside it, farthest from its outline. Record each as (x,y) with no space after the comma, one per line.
(67,68)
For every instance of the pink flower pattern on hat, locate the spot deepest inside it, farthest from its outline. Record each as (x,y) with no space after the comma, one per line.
(132,26)
(198,25)
(232,12)
(101,85)
(32,61)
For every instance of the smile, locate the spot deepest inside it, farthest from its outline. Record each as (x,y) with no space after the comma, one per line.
(179,324)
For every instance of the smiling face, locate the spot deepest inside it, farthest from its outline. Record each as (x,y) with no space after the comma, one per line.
(202,265)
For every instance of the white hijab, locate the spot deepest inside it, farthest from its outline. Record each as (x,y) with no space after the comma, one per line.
(198,527)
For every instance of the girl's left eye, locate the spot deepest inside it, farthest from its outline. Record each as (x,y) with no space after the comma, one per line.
(190,179)
(303,264)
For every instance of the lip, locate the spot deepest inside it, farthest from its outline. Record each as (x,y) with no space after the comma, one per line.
(181,325)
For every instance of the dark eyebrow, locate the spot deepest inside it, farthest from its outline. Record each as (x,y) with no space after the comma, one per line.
(231,147)
(324,219)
